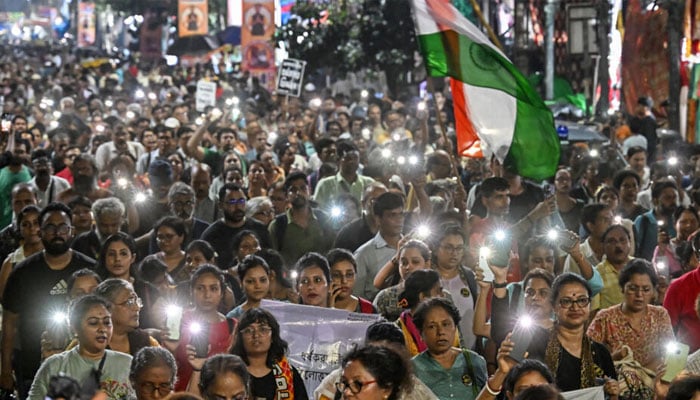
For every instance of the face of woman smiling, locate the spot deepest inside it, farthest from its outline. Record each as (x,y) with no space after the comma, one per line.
(95,330)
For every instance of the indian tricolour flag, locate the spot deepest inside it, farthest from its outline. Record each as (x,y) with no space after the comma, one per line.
(496,109)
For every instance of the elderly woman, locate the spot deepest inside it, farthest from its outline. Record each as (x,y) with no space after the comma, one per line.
(152,374)
(126,337)
(223,376)
(375,373)
(260,209)
(635,323)
(442,366)
(89,363)
(259,344)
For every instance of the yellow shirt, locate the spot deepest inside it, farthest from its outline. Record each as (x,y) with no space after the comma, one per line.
(611,294)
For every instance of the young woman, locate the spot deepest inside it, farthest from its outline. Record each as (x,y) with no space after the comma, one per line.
(412,256)
(687,222)
(170,233)
(343,270)
(312,281)
(281,288)
(259,344)
(254,273)
(29,229)
(207,286)
(91,321)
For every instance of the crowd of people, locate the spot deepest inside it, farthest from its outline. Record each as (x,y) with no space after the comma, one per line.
(141,234)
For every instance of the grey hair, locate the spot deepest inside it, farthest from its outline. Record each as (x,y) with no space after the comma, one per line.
(109,288)
(255,204)
(151,357)
(109,205)
(180,188)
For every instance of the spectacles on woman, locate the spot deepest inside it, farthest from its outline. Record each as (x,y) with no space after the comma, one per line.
(568,302)
(354,386)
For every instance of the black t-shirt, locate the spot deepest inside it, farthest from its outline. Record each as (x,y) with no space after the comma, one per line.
(525,202)
(220,236)
(150,211)
(34,291)
(266,387)
(353,235)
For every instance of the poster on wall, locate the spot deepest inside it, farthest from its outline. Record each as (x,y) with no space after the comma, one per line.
(258,26)
(86,24)
(192,17)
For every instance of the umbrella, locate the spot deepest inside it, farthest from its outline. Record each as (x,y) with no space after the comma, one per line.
(191,45)
(230,35)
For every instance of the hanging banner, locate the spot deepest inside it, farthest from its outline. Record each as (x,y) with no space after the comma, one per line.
(86,24)
(258,26)
(318,344)
(151,37)
(192,17)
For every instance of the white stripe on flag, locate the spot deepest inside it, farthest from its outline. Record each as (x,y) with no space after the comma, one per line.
(493,114)
(594,393)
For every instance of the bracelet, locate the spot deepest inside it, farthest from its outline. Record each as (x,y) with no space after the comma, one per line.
(491,391)
(500,285)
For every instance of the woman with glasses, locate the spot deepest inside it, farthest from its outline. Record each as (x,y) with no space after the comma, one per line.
(576,361)
(374,373)
(412,256)
(152,374)
(312,279)
(30,231)
(687,221)
(254,274)
(207,288)
(126,306)
(170,234)
(450,372)
(260,209)
(635,323)
(116,260)
(259,344)
(90,362)
(343,270)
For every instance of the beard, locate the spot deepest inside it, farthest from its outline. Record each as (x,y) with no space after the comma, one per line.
(56,247)
(299,202)
(234,216)
(83,183)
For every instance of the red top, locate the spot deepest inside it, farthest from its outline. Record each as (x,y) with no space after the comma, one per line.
(680,304)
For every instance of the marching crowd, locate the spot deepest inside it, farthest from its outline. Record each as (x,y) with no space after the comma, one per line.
(140,235)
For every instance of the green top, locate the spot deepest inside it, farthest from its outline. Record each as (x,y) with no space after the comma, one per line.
(330,187)
(8,180)
(297,240)
(456,382)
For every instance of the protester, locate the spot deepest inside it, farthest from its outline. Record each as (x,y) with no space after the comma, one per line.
(254,275)
(152,373)
(343,270)
(375,372)
(313,279)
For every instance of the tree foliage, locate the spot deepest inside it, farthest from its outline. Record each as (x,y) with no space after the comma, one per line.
(353,35)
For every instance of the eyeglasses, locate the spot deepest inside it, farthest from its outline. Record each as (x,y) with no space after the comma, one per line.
(543,293)
(236,202)
(131,302)
(182,204)
(452,249)
(262,331)
(638,289)
(62,229)
(348,276)
(354,386)
(166,237)
(265,212)
(568,303)
(163,389)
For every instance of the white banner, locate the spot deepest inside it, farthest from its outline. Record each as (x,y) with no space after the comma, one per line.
(205,95)
(594,393)
(318,337)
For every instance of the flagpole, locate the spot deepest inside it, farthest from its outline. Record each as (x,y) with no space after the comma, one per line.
(484,22)
(443,129)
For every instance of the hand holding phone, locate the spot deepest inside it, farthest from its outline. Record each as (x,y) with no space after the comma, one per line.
(521,337)
(676,359)
(200,338)
(500,243)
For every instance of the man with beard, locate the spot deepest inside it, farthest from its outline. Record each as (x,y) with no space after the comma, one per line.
(664,196)
(301,229)
(616,244)
(119,144)
(35,290)
(15,172)
(84,172)
(181,199)
(167,145)
(155,206)
(205,208)
(220,234)
(109,216)
(46,184)
(359,231)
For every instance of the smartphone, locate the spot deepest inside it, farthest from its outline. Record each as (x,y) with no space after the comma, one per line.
(521,338)
(566,240)
(500,244)
(173,320)
(484,253)
(6,122)
(676,358)
(200,341)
